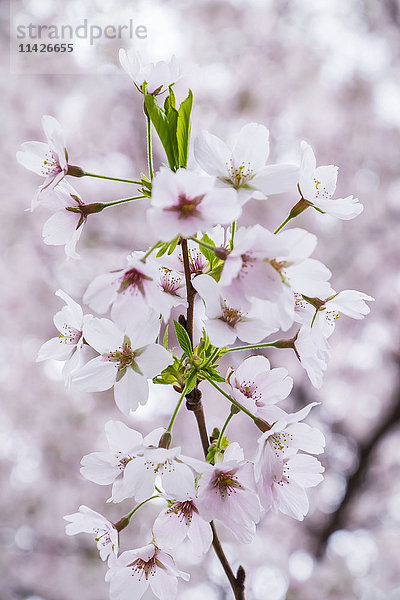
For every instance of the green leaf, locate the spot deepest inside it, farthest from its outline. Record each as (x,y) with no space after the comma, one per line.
(162,250)
(183,129)
(209,254)
(165,126)
(183,339)
(173,245)
(165,339)
(191,382)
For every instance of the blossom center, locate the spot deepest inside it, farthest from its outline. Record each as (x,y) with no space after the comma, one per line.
(51,165)
(147,568)
(230,316)
(133,280)
(184,511)
(69,335)
(186,206)
(321,189)
(239,176)
(250,390)
(169,282)
(225,483)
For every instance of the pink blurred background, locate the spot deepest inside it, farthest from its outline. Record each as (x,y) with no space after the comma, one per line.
(320,71)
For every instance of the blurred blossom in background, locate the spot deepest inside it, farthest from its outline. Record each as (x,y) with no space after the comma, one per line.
(326,72)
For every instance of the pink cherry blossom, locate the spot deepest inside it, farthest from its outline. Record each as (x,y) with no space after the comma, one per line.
(185,202)
(182,519)
(226,492)
(46,159)
(68,345)
(87,520)
(229,316)
(256,386)
(132,573)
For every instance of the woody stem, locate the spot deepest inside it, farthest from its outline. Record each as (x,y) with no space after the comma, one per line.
(237,582)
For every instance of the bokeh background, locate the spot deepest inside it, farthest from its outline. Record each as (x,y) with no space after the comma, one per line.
(327,72)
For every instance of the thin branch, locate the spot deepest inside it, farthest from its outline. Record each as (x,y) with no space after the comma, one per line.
(355,481)
(194,403)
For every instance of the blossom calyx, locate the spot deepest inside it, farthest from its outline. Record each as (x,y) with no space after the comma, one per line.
(165,440)
(75,171)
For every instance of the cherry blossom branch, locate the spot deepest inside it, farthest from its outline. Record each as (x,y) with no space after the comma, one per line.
(195,404)
(297,209)
(233,231)
(177,407)
(124,521)
(276,344)
(337,519)
(234,411)
(78,172)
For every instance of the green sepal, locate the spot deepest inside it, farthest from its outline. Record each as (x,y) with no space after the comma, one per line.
(165,338)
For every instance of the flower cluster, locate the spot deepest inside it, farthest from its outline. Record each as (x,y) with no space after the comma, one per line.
(233,283)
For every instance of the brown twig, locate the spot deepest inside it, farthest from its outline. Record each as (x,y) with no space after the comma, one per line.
(194,403)
(356,480)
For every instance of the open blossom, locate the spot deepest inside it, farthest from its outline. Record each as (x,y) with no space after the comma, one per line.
(127,290)
(243,167)
(281,474)
(69,344)
(185,202)
(131,574)
(65,226)
(256,386)
(133,463)
(87,520)
(262,265)
(314,353)
(181,519)
(317,186)
(226,491)
(48,160)
(229,316)
(127,360)
(157,76)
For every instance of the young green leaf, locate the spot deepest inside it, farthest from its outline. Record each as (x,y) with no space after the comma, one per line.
(183,339)
(165,339)
(183,129)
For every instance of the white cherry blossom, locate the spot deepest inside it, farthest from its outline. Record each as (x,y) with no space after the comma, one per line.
(317,186)
(243,167)
(50,160)
(69,344)
(229,316)
(133,463)
(185,202)
(132,573)
(157,76)
(87,520)
(126,291)
(127,360)
(64,227)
